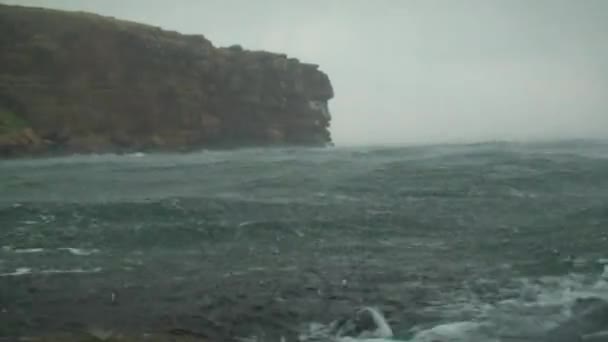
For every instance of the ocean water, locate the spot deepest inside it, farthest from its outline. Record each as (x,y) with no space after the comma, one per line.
(483,242)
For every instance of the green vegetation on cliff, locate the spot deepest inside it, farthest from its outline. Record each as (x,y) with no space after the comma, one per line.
(85,82)
(10,122)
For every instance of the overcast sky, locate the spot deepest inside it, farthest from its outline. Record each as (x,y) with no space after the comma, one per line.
(420,70)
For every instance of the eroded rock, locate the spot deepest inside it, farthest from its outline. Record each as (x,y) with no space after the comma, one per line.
(84,82)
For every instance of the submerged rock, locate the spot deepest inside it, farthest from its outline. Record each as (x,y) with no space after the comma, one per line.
(86,83)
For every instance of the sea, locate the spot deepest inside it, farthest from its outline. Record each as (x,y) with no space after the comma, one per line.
(497,241)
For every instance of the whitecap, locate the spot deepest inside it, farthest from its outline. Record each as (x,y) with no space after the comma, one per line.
(22,250)
(29,222)
(457,331)
(28,250)
(137,154)
(349,330)
(75,270)
(79,251)
(247,223)
(25,271)
(18,272)
(352,339)
(550,310)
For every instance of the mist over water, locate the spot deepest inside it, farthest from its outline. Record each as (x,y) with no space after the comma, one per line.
(420,71)
(450,242)
(466,199)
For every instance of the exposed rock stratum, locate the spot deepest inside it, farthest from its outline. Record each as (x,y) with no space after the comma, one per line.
(81,82)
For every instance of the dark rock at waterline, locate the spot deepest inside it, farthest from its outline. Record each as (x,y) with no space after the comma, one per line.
(79,82)
(589,322)
(363,323)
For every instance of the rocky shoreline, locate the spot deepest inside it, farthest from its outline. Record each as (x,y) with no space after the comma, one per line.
(73,82)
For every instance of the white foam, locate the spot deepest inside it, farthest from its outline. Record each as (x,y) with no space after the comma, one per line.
(543,305)
(30,222)
(75,270)
(79,251)
(137,154)
(337,331)
(383,330)
(25,271)
(352,339)
(28,250)
(18,272)
(71,250)
(457,331)
(22,250)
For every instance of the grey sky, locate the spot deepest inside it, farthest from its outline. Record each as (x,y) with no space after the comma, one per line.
(420,70)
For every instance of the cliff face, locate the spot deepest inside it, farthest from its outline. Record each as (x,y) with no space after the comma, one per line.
(81,82)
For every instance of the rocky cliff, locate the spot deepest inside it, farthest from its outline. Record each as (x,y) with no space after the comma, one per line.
(79,82)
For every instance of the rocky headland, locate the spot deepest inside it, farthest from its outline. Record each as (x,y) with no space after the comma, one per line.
(74,82)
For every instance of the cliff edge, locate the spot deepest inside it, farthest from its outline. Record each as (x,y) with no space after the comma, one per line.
(80,82)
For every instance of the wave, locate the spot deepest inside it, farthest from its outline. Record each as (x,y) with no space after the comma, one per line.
(551,309)
(22,271)
(71,250)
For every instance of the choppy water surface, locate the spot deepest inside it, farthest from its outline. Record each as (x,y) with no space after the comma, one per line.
(487,242)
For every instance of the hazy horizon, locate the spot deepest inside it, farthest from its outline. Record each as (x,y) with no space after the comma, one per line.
(419,71)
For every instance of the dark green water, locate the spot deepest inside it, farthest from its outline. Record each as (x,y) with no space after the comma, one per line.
(265,241)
